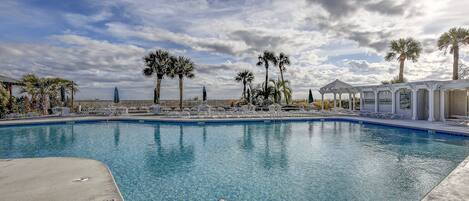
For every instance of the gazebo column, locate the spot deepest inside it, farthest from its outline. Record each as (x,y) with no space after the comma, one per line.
(353,102)
(442,105)
(393,100)
(376,92)
(335,100)
(340,100)
(350,101)
(431,104)
(322,101)
(414,104)
(361,101)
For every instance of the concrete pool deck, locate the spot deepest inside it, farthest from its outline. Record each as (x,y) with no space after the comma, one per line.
(56,179)
(454,187)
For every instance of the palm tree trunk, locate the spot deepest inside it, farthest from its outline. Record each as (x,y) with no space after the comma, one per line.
(266,96)
(455,62)
(401,70)
(180,92)
(244,89)
(284,89)
(73,92)
(158,88)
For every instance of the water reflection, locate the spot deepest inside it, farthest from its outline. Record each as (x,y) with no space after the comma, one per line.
(204,134)
(117,133)
(275,153)
(29,141)
(169,159)
(247,142)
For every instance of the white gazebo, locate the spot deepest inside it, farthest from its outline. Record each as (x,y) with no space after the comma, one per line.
(338,87)
(423,100)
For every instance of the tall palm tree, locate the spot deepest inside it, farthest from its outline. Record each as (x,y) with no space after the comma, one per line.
(156,63)
(265,59)
(181,67)
(283,61)
(245,77)
(403,49)
(453,39)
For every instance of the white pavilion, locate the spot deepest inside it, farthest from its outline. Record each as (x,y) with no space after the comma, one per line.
(424,100)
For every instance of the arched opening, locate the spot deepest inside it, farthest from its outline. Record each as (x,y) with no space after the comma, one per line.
(422,104)
(385,101)
(404,102)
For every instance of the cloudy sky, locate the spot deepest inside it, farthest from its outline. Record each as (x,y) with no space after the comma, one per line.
(100,44)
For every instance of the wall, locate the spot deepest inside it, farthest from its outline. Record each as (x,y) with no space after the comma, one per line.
(385,101)
(458,102)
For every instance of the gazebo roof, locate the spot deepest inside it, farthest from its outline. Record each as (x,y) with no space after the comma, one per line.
(337,86)
(8,80)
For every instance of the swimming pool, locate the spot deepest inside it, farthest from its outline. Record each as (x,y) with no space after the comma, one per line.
(301,160)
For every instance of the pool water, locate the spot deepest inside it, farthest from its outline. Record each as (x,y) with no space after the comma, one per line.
(331,160)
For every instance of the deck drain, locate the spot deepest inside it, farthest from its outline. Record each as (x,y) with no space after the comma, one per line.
(81,179)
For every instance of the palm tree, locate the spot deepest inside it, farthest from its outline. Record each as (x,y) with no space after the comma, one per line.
(245,77)
(265,59)
(452,39)
(156,63)
(280,88)
(283,61)
(181,67)
(403,49)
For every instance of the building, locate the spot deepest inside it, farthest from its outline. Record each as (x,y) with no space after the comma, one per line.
(425,100)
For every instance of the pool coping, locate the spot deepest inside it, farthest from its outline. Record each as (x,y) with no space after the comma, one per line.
(439,127)
(57,178)
(450,186)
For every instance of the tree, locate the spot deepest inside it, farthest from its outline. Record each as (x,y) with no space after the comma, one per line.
(280,88)
(4,100)
(310,97)
(245,77)
(283,61)
(403,49)
(453,39)
(156,64)
(45,90)
(264,60)
(181,67)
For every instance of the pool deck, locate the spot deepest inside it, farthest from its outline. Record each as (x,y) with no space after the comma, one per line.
(454,187)
(56,179)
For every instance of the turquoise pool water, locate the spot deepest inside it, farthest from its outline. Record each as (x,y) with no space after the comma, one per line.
(251,161)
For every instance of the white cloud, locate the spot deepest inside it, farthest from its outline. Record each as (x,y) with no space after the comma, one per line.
(226,36)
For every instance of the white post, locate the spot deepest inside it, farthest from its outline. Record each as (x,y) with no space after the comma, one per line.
(393,101)
(414,104)
(350,101)
(361,100)
(376,100)
(353,102)
(442,105)
(322,101)
(335,102)
(340,100)
(431,105)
